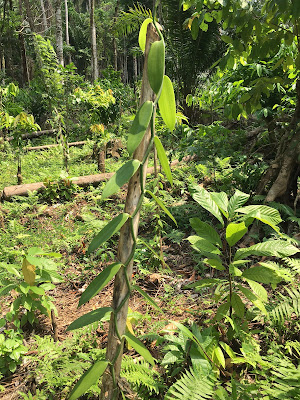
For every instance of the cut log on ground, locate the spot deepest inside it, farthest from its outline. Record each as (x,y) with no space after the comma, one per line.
(82,181)
(50,146)
(32,135)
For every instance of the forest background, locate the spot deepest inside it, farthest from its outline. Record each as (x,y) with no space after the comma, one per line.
(219,236)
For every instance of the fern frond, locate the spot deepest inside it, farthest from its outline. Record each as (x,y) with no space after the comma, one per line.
(193,385)
(288,305)
(140,375)
(293,263)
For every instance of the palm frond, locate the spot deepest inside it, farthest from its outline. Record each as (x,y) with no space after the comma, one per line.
(131,20)
(285,307)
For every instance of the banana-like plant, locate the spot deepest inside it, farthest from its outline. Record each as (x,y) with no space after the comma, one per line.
(242,277)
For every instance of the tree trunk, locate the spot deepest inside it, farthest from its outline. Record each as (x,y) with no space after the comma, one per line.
(29,16)
(23,49)
(95,71)
(115,48)
(69,59)
(125,246)
(45,25)
(286,161)
(59,33)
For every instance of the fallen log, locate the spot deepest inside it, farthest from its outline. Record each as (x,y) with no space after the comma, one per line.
(32,135)
(50,146)
(83,181)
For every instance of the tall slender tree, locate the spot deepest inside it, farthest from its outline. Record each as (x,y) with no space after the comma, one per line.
(95,69)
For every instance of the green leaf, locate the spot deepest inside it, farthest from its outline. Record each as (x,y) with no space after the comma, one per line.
(259,290)
(204,198)
(204,246)
(139,126)
(37,290)
(167,105)
(143,33)
(205,231)
(227,39)
(204,283)
(222,311)
(139,347)
(261,274)
(218,353)
(163,159)
(265,214)
(156,65)
(99,282)
(254,299)
(121,177)
(221,200)
(89,378)
(162,206)
(234,232)
(276,248)
(217,264)
(236,201)
(6,289)
(89,318)
(108,231)
(237,305)
(147,297)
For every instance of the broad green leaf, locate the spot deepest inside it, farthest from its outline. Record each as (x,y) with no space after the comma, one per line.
(37,290)
(166,103)
(237,305)
(163,159)
(108,231)
(205,231)
(203,245)
(267,215)
(261,274)
(227,39)
(217,264)
(233,270)
(143,33)
(258,289)
(205,282)
(89,318)
(89,378)
(99,282)
(204,198)
(11,268)
(222,311)
(139,347)
(6,289)
(276,248)
(28,270)
(218,354)
(221,200)
(254,299)
(121,177)
(147,297)
(162,206)
(228,349)
(156,65)
(234,232)
(139,126)
(236,201)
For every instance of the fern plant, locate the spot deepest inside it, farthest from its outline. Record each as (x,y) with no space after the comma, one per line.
(242,277)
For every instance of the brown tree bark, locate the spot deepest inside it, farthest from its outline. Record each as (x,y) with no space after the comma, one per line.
(281,173)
